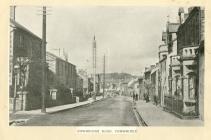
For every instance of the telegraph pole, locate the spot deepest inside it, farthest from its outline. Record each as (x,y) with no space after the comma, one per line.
(15,66)
(43,106)
(103,75)
(94,68)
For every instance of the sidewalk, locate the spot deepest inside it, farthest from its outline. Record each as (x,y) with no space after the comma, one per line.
(156,116)
(21,115)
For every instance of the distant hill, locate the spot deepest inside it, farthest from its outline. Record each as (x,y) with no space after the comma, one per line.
(117,77)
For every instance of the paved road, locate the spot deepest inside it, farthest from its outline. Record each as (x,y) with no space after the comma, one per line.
(116,111)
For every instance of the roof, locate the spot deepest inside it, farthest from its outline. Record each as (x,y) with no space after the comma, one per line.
(21,27)
(191,13)
(172,27)
(132,82)
(162,60)
(163,48)
(154,69)
(164,36)
(53,55)
(79,77)
(162,45)
(82,76)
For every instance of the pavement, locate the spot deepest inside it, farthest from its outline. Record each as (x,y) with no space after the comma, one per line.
(111,111)
(21,116)
(155,116)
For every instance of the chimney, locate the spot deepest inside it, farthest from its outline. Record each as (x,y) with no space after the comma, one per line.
(181,15)
(190,9)
(12,12)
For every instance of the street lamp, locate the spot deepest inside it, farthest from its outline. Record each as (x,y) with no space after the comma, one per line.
(16,68)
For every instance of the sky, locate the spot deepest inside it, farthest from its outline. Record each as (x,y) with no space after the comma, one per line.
(129,36)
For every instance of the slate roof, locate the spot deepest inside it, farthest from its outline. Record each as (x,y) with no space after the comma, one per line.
(15,24)
(172,27)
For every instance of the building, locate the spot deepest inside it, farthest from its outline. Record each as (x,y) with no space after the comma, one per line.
(133,87)
(79,86)
(178,78)
(25,67)
(200,72)
(124,89)
(172,69)
(83,74)
(163,77)
(172,102)
(154,84)
(147,83)
(141,88)
(65,72)
(166,52)
(181,65)
(200,83)
(189,36)
(90,86)
(62,79)
(184,64)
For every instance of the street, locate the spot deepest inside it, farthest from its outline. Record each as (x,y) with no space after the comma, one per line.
(149,77)
(116,111)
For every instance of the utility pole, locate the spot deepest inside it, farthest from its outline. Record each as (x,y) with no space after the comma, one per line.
(103,75)
(94,68)
(15,66)
(43,107)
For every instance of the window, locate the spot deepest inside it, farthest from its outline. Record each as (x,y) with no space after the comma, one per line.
(191,86)
(178,87)
(21,40)
(186,51)
(53,94)
(170,84)
(30,48)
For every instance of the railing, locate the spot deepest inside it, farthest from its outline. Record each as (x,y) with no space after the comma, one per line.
(173,104)
(189,52)
(18,104)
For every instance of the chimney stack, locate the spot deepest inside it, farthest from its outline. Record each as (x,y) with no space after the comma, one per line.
(181,15)
(12,12)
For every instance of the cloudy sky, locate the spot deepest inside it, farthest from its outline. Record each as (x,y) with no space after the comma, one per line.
(128,36)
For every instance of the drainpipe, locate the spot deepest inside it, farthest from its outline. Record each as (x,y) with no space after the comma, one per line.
(197,65)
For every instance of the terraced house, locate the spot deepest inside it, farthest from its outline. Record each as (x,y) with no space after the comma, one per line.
(25,68)
(185,64)
(180,70)
(190,38)
(62,80)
